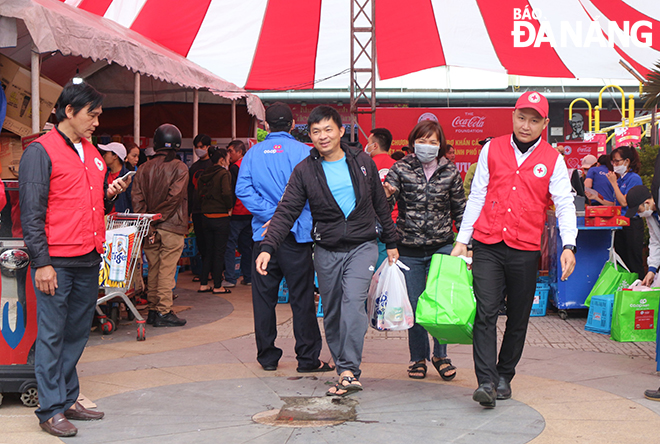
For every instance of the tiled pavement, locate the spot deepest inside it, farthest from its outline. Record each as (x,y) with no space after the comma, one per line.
(202,384)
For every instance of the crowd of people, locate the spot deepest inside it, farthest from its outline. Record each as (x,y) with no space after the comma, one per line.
(335,211)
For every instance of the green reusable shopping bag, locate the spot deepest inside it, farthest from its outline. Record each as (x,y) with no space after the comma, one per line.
(635,316)
(447,307)
(613,277)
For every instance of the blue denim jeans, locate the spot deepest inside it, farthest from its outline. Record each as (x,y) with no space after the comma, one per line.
(240,235)
(418,338)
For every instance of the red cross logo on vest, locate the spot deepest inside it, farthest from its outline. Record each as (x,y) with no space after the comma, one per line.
(540,170)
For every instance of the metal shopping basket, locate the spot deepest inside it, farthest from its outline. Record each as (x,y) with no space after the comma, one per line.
(121,288)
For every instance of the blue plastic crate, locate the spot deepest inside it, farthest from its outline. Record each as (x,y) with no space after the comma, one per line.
(540,299)
(599,319)
(283,293)
(319,311)
(237,266)
(190,247)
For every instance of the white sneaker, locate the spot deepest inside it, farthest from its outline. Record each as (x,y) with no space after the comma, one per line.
(227,284)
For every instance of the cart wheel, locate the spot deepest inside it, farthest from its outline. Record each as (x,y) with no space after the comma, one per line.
(563,315)
(30,397)
(108,327)
(114,314)
(141,334)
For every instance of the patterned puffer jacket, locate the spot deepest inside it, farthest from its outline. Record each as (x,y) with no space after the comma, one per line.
(426,208)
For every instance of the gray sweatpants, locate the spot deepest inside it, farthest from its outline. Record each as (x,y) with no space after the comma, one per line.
(344,279)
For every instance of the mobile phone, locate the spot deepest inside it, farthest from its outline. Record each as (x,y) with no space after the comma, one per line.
(127,175)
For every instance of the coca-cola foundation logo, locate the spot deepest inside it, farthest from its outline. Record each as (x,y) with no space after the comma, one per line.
(469,122)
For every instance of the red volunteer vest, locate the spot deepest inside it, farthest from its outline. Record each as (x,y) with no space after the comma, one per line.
(517,197)
(383,163)
(75,216)
(239,208)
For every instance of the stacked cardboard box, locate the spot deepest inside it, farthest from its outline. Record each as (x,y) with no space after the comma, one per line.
(604,216)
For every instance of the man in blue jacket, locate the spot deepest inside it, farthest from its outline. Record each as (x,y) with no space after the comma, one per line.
(263,176)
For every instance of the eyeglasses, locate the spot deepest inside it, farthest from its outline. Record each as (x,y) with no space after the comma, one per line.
(617,161)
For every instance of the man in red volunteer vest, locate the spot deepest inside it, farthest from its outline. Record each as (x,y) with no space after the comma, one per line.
(240,226)
(378,147)
(63,197)
(516,177)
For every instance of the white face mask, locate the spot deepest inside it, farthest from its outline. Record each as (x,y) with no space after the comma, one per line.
(646,213)
(426,153)
(200,152)
(620,169)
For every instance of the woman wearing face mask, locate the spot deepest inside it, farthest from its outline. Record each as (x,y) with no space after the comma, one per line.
(629,241)
(429,191)
(216,198)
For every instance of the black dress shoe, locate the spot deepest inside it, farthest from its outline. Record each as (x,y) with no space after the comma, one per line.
(503,389)
(168,320)
(151,317)
(485,395)
(270,367)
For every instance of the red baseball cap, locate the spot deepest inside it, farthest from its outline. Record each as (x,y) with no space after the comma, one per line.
(534,100)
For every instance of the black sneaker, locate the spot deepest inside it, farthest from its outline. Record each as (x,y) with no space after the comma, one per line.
(653,395)
(151,317)
(168,320)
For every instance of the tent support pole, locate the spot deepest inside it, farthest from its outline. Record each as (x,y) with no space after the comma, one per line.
(233,119)
(136,110)
(35,75)
(195,119)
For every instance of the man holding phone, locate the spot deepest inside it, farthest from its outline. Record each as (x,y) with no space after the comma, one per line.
(62,198)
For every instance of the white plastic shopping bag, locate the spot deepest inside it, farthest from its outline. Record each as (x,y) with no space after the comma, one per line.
(388,305)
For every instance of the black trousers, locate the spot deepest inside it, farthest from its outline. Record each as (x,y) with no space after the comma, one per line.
(629,244)
(200,234)
(496,267)
(293,261)
(216,235)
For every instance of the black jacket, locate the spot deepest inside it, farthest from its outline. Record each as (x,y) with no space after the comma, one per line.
(331,229)
(215,192)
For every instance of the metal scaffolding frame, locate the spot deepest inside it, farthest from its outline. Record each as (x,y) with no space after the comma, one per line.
(363,64)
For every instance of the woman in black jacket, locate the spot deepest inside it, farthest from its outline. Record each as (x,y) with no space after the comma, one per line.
(216,198)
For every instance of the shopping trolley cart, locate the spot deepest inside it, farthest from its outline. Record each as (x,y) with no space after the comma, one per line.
(112,286)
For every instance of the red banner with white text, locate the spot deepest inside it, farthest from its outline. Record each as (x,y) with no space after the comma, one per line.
(463,127)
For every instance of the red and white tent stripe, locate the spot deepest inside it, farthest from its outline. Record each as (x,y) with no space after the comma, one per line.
(292,44)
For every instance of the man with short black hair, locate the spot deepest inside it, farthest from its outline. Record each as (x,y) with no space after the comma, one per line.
(517,177)
(347,200)
(262,179)
(240,225)
(62,193)
(201,145)
(378,147)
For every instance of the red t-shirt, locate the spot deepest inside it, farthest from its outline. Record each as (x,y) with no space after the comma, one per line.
(384,162)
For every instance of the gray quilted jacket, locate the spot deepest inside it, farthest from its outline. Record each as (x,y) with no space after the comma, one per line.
(426,208)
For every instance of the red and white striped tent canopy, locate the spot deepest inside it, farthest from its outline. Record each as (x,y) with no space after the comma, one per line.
(294,44)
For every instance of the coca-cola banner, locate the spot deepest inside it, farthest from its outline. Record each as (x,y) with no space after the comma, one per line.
(463,127)
(628,136)
(574,152)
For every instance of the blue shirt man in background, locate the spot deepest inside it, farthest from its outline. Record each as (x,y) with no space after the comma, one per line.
(262,179)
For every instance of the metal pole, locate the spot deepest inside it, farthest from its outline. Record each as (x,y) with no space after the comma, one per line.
(195,119)
(353,104)
(136,110)
(233,119)
(373,64)
(36,101)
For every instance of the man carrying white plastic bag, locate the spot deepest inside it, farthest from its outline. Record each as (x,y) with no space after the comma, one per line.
(388,305)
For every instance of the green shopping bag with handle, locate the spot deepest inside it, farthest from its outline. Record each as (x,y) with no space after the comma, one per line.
(614,277)
(447,307)
(635,314)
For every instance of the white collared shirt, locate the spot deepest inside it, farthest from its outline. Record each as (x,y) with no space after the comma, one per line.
(560,189)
